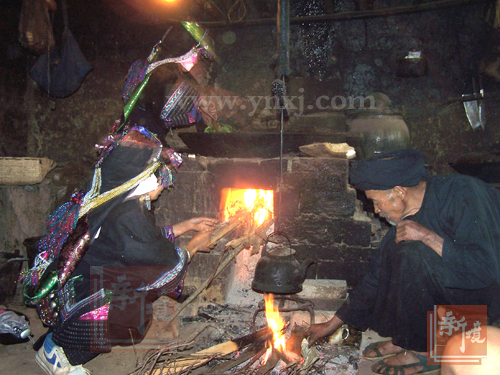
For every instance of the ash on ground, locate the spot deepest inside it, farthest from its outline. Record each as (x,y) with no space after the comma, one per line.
(215,324)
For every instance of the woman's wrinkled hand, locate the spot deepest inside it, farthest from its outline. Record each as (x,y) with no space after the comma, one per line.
(320,330)
(202,224)
(199,242)
(197,224)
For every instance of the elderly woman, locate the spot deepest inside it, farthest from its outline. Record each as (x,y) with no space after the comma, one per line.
(443,249)
(130,262)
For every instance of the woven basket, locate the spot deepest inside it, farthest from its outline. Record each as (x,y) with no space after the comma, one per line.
(24,171)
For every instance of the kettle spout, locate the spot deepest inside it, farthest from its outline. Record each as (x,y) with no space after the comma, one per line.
(305,265)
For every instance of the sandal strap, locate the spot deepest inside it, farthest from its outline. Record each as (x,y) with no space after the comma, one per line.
(384,367)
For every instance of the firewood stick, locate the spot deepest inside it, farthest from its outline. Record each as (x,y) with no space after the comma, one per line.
(205,355)
(206,283)
(272,361)
(234,221)
(254,359)
(221,231)
(250,353)
(262,229)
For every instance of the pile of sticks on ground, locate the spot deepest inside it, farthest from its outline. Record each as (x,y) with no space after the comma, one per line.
(232,357)
(243,355)
(170,361)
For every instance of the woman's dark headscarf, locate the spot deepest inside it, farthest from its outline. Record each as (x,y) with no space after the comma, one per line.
(130,158)
(402,167)
(125,162)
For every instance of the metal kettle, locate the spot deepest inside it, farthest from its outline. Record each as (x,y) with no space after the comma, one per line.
(279,272)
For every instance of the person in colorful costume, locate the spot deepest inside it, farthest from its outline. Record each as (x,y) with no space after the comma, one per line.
(128,263)
(443,249)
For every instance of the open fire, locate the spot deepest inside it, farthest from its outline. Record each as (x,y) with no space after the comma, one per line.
(280,347)
(277,324)
(244,354)
(259,201)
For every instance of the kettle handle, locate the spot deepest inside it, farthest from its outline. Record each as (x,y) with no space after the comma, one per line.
(278,233)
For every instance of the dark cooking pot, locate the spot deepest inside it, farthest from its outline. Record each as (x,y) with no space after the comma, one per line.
(279,272)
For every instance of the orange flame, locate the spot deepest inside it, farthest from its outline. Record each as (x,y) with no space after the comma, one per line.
(258,200)
(277,324)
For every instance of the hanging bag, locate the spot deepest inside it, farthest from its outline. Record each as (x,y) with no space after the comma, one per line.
(35,28)
(60,72)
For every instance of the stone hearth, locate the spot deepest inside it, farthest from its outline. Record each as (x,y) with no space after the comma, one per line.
(318,214)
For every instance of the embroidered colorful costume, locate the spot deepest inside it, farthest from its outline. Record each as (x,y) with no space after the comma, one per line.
(129,263)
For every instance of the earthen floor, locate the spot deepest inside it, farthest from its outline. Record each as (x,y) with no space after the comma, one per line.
(212,325)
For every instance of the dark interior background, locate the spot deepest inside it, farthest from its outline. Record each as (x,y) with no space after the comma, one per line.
(343,48)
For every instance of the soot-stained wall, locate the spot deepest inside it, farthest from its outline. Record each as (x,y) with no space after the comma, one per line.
(317,207)
(344,55)
(338,56)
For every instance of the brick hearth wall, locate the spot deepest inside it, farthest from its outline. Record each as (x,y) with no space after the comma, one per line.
(317,208)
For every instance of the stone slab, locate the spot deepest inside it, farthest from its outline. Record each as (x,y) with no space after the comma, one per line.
(327,295)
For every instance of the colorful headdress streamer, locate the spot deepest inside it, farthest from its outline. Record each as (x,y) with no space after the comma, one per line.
(59,226)
(200,35)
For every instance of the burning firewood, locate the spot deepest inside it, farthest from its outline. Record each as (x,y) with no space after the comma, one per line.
(271,363)
(237,245)
(181,365)
(252,354)
(242,216)
(256,353)
(294,343)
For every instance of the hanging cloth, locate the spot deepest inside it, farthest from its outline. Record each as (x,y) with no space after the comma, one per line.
(60,72)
